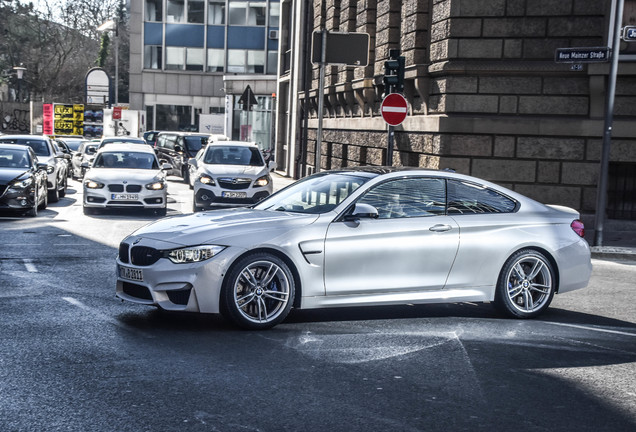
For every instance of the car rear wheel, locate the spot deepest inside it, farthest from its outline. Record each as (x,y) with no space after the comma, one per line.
(258,292)
(526,285)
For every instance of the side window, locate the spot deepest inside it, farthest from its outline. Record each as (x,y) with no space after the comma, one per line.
(408,198)
(470,198)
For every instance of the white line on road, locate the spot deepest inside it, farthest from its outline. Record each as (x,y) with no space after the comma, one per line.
(29,266)
(593,329)
(105,317)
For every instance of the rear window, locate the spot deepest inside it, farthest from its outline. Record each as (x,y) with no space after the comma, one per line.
(471,198)
(195,143)
(39,146)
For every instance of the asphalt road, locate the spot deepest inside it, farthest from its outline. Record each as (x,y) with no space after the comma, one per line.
(74,358)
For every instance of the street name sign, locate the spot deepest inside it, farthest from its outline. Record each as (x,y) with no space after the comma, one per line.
(629,33)
(582,55)
(394,109)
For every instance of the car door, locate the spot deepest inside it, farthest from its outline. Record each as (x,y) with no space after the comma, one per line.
(411,246)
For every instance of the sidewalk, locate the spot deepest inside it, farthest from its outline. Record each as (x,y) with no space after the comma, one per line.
(619,237)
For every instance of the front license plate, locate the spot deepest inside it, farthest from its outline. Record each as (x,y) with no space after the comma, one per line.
(124,197)
(234,194)
(131,274)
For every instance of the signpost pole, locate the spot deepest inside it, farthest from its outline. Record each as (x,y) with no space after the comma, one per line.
(321,99)
(389,148)
(601,193)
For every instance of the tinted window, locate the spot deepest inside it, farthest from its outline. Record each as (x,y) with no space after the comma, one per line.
(407,198)
(14,158)
(234,155)
(470,198)
(39,146)
(195,143)
(129,160)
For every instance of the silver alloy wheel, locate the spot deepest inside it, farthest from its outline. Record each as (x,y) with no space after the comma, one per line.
(261,291)
(529,284)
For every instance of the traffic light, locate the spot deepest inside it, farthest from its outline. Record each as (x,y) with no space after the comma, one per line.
(394,73)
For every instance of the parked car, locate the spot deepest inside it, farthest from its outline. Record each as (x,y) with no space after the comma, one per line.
(126,176)
(85,153)
(64,148)
(72,143)
(176,148)
(359,237)
(230,174)
(120,140)
(22,180)
(47,152)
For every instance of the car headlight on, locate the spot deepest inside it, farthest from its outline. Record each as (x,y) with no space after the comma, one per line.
(193,254)
(159,185)
(92,184)
(262,181)
(207,180)
(50,169)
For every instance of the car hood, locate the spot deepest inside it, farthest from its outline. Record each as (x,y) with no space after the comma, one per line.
(237,227)
(123,174)
(9,174)
(234,170)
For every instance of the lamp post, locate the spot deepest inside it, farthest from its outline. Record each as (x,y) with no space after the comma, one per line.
(107,26)
(19,72)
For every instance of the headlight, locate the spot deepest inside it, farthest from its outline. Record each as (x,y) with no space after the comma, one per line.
(92,184)
(262,181)
(22,184)
(156,185)
(194,254)
(205,179)
(50,169)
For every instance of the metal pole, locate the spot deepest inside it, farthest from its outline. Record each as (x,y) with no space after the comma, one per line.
(116,62)
(601,193)
(389,148)
(321,99)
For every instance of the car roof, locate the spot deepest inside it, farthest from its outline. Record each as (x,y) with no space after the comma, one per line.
(123,139)
(26,136)
(14,146)
(118,147)
(232,143)
(201,134)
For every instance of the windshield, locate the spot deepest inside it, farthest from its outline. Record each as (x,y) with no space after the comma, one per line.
(233,155)
(126,160)
(317,194)
(13,158)
(195,143)
(38,145)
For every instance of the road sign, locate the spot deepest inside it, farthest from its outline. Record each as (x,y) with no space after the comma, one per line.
(350,49)
(629,33)
(247,99)
(394,109)
(582,55)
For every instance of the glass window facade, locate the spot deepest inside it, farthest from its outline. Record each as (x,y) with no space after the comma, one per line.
(211,36)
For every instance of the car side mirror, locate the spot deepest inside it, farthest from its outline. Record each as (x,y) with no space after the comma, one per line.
(166,167)
(272,165)
(178,148)
(85,165)
(192,161)
(362,211)
(42,166)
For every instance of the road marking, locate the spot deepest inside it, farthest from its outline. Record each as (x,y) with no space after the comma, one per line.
(105,317)
(29,266)
(592,329)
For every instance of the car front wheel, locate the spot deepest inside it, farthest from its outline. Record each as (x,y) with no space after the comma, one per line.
(526,285)
(258,292)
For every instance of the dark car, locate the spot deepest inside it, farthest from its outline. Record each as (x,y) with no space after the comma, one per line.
(176,148)
(22,180)
(151,137)
(47,152)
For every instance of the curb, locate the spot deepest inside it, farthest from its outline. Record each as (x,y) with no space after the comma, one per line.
(612,252)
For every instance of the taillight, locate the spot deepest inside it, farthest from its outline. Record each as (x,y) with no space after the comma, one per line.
(578,227)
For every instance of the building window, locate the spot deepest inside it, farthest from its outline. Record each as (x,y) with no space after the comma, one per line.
(173,117)
(216,12)
(175,58)
(274,14)
(154,10)
(175,12)
(196,11)
(272,62)
(152,57)
(255,61)
(194,59)
(236,61)
(251,13)
(216,61)
(245,61)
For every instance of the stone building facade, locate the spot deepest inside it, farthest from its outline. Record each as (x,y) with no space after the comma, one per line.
(485,94)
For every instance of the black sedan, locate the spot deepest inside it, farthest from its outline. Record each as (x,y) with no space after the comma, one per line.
(22,180)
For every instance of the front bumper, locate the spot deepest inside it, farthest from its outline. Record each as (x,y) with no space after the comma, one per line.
(144,198)
(18,199)
(205,196)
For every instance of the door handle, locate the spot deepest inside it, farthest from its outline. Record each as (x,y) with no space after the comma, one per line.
(440,228)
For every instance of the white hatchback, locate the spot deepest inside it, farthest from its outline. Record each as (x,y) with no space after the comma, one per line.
(126,176)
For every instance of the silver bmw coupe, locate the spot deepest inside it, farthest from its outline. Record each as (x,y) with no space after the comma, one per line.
(355,237)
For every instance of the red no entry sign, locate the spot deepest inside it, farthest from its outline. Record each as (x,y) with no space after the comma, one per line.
(394,109)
